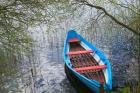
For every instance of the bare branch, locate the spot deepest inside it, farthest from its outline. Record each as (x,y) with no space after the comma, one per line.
(124,6)
(112,17)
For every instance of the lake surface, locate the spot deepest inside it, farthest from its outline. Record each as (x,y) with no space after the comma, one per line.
(44,72)
(49,65)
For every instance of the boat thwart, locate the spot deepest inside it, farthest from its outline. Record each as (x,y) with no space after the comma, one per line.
(87,63)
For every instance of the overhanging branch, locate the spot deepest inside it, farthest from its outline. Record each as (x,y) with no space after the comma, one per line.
(112,17)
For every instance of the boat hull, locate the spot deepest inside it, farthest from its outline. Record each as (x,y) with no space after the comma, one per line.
(76,82)
(82,85)
(90,84)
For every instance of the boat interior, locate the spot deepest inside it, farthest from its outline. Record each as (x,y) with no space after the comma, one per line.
(84,63)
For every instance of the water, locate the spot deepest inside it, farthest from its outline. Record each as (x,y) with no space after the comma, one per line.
(44,72)
(50,76)
(48,51)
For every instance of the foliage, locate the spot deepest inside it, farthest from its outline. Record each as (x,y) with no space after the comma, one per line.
(125,13)
(17,15)
(15,18)
(125,90)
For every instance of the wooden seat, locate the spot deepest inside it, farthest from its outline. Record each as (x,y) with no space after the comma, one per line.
(80,52)
(90,68)
(73,40)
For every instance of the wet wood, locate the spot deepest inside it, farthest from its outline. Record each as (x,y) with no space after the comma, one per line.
(85,60)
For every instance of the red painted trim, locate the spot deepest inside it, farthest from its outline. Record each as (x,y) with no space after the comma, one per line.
(73,40)
(90,68)
(79,52)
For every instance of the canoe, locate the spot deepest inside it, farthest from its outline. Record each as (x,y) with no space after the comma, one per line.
(87,63)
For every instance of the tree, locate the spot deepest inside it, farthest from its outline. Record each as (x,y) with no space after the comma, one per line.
(15,18)
(133,22)
(17,15)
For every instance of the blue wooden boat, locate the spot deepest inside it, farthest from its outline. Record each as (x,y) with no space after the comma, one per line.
(87,63)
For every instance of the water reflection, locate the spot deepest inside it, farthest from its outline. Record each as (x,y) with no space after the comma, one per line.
(48,66)
(51,64)
(51,72)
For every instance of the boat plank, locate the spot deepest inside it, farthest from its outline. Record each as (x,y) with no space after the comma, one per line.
(84,60)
